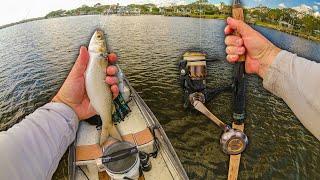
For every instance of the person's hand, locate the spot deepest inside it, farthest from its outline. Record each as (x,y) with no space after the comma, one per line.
(260,52)
(111,72)
(73,91)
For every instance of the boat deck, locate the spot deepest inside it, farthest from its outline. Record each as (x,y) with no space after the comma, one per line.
(163,166)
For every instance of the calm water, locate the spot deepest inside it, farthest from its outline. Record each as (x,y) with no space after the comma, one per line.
(36,57)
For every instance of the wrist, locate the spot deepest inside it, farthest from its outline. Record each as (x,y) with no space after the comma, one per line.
(269,58)
(57,99)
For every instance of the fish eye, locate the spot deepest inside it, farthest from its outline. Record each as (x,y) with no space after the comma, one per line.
(99,36)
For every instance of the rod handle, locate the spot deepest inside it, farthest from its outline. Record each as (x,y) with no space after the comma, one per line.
(237,13)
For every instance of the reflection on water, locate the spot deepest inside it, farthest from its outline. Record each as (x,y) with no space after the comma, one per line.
(35,58)
(300,46)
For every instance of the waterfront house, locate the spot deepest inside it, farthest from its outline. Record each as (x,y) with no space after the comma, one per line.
(286,25)
(128,11)
(317,32)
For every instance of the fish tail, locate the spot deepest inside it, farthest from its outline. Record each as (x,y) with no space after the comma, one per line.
(113,131)
(104,136)
(109,131)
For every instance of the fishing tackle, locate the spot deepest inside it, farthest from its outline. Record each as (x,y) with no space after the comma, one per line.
(193,74)
(145,161)
(232,141)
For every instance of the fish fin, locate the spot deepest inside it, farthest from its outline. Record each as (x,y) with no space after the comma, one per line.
(111,131)
(104,136)
(113,108)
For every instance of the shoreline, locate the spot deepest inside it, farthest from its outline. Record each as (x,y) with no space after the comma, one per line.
(220,17)
(258,23)
(21,22)
(288,31)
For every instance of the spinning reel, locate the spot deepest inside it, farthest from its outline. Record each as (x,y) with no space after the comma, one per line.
(193,73)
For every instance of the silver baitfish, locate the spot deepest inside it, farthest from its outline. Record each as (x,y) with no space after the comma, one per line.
(98,91)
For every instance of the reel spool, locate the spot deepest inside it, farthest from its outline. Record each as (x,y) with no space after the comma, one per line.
(193,75)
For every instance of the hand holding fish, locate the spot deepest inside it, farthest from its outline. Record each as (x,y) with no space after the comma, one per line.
(260,52)
(73,93)
(112,71)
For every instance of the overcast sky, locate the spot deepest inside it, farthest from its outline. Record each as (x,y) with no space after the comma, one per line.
(16,10)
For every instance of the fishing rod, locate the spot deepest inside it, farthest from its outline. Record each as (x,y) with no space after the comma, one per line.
(239,99)
(193,73)
(239,73)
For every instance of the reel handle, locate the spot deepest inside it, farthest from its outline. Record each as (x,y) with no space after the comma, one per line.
(203,109)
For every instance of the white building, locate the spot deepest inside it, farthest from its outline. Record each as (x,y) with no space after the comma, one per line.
(304,9)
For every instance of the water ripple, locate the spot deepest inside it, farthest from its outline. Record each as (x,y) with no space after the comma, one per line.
(36,57)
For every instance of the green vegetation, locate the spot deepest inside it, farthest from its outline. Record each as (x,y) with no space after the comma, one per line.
(287,20)
(199,9)
(132,9)
(83,10)
(303,24)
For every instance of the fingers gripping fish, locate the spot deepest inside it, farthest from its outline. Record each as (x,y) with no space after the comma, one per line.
(98,91)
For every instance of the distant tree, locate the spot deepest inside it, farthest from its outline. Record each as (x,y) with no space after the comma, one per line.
(202,1)
(274,14)
(57,13)
(155,10)
(211,10)
(309,23)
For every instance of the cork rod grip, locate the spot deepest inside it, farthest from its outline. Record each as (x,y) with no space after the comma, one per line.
(237,13)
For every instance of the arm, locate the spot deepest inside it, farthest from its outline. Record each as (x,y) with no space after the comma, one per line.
(288,76)
(294,79)
(33,148)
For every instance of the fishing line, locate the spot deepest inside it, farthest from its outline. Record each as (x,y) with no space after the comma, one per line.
(27,14)
(102,21)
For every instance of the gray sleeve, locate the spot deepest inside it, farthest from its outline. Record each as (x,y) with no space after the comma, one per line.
(33,148)
(295,80)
